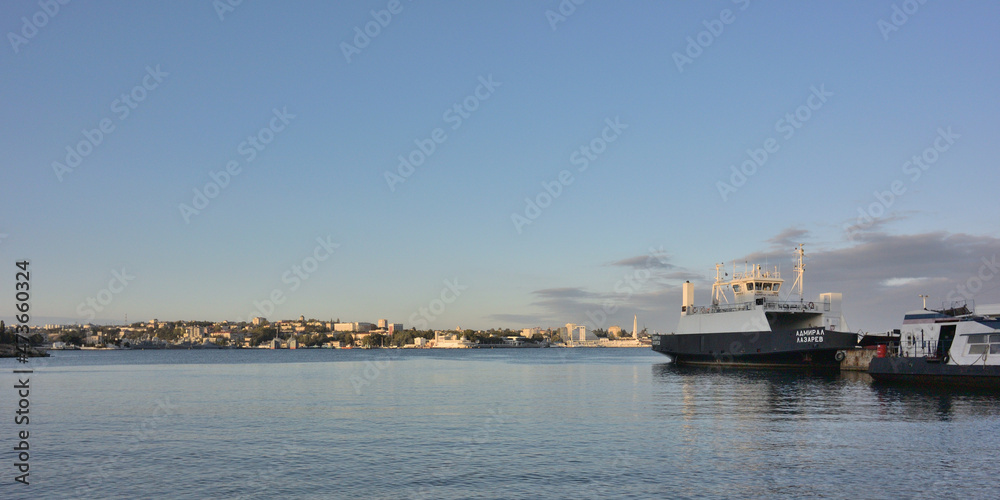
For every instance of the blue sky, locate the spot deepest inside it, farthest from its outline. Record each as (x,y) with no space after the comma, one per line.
(342,122)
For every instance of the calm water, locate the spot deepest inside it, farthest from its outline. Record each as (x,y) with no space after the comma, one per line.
(535,423)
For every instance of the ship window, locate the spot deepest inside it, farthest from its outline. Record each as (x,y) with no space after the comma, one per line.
(776,286)
(978,349)
(977,339)
(995,349)
(767,287)
(736,288)
(995,339)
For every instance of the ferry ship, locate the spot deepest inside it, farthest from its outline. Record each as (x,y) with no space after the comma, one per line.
(757,328)
(953,346)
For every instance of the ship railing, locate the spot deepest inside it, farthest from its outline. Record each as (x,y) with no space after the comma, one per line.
(786,306)
(720,308)
(914,348)
(782,305)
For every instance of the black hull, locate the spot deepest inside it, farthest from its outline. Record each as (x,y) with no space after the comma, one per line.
(920,371)
(815,348)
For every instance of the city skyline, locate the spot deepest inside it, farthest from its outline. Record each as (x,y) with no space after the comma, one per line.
(488,164)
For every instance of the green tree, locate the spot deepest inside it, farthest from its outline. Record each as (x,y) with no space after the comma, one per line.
(373,340)
(262,334)
(74,337)
(399,339)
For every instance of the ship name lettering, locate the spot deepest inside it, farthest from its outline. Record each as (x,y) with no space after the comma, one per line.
(809,336)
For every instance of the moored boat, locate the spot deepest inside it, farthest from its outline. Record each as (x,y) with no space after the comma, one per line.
(950,347)
(758,329)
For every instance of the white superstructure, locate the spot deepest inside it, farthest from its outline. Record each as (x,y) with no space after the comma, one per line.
(756,305)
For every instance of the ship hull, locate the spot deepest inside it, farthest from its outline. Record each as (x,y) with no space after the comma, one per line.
(803,348)
(921,371)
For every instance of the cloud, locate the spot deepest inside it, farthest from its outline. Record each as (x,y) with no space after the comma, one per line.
(789,238)
(563,293)
(866,229)
(881,277)
(684,275)
(901,281)
(647,261)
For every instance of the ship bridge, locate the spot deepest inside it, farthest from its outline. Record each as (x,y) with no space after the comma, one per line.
(751,285)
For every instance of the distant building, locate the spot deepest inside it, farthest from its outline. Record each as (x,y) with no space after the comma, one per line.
(578,333)
(531,332)
(395,327)
(353,327)
(257,321)
(615,331)
(195,332)
(383,324)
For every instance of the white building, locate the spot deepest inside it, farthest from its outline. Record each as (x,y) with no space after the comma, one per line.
(353,327)
(578,333)
(531,332)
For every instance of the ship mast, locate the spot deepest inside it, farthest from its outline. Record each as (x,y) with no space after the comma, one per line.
(717,290)
(800,269)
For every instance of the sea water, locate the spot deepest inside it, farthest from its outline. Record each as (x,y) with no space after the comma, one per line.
(481,423)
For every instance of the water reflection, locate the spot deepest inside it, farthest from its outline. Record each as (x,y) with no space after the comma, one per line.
(778,394)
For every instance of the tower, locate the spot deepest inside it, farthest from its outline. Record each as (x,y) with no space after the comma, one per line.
(635,326)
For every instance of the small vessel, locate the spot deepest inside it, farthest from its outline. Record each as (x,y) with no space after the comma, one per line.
(758,329)
(954,346)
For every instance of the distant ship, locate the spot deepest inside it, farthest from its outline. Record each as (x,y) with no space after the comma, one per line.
(954,346)
(757,329)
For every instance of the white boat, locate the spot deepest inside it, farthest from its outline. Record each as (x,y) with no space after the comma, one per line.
(953,346)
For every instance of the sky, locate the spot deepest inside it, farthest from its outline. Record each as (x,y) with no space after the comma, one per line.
(493,164)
